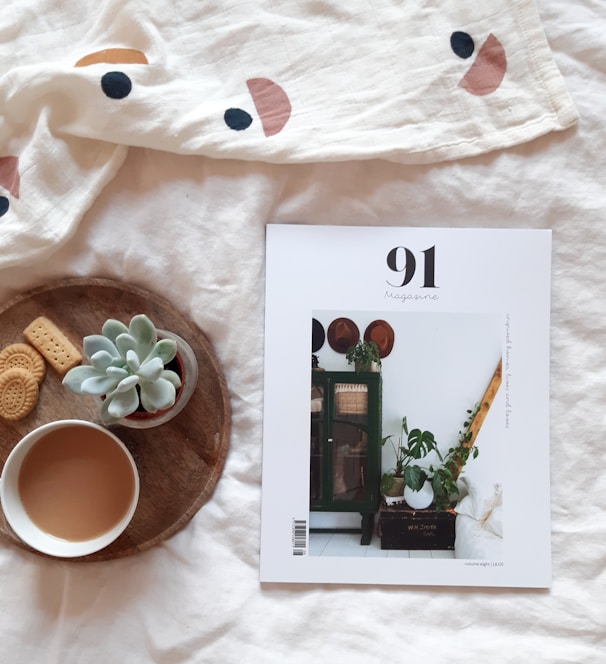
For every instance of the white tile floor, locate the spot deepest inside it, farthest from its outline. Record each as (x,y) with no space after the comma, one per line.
(348,544)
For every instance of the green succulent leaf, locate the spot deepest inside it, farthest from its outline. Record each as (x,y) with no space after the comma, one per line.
(112,328)
(74,378)
(121,404)
(106,418)
(144,331)
(151,370)
(127,384)
(132,361)
(157,396)
(125,342)
(117,372)
(102,360)
(165,349)
(171,377)
(93,343)
(98,385)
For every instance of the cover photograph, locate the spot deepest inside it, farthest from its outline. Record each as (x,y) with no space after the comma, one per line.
(406,406)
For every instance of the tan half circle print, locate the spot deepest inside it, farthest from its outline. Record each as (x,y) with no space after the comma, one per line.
(114,56)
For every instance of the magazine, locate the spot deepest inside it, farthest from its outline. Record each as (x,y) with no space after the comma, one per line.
(406,406)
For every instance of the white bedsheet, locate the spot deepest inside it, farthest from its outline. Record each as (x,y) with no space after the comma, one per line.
(191,227)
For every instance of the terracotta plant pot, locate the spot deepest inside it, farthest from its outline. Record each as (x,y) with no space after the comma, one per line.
(397,488)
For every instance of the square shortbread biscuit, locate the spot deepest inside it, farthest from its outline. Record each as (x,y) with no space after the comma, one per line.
(50,341)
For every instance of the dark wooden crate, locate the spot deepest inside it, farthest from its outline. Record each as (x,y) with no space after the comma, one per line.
(401,527)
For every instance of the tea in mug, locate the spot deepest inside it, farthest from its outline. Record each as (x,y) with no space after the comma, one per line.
(76,483)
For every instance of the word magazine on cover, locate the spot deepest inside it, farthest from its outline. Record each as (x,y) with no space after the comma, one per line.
(406,415)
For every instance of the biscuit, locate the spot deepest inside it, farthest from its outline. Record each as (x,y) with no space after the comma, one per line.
(56,348)
(18,393)
(23,356)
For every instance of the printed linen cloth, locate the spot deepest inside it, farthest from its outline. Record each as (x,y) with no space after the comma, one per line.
(268,80)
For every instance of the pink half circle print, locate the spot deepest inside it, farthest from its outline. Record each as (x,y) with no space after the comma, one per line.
(272,104)
(488,69)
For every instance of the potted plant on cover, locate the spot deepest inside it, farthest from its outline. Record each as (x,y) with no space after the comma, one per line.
(407,478)
(144,376)
(392,482)
(364,356)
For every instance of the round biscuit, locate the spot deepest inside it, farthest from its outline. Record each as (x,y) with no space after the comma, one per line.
(23,356)
(18,393)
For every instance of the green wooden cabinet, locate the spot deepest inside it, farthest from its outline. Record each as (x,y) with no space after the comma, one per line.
(345,452)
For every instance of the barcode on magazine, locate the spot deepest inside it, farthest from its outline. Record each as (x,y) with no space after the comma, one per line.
(299,537)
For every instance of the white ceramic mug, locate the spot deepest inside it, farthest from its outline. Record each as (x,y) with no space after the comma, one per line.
(42,483)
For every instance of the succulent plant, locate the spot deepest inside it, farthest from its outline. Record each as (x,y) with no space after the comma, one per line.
(127,367)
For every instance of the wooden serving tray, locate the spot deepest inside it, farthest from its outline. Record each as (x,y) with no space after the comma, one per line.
(180,461)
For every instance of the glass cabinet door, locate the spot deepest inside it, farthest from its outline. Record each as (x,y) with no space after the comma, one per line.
(318,436)
(348,442)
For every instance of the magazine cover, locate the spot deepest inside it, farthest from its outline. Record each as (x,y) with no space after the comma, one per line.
(406,406)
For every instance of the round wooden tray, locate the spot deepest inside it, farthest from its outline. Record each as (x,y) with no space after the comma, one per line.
(179,462)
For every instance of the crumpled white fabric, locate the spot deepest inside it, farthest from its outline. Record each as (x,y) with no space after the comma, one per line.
(269,80)
(192,229)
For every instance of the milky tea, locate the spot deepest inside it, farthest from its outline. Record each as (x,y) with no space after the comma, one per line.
(76,483)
